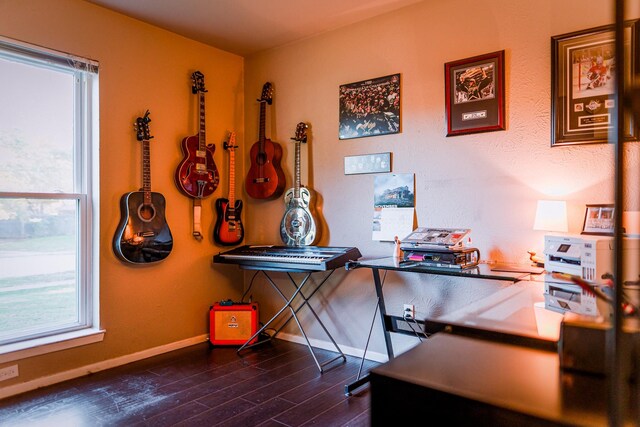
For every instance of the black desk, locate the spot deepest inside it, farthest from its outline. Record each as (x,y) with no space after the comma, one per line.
(398,324)
(470,381)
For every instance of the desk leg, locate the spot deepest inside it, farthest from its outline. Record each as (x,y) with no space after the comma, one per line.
(360,381)
(383,311)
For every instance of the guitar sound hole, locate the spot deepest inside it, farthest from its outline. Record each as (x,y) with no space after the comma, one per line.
(146,212)
(261,158)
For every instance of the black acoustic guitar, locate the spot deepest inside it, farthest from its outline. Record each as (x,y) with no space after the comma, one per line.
(143,235)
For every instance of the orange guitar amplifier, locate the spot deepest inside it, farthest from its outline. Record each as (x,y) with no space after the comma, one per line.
(233,323)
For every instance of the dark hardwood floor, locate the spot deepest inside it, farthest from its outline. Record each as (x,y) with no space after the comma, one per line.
(274,384)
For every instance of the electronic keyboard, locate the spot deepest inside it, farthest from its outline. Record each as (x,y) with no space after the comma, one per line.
(289,258)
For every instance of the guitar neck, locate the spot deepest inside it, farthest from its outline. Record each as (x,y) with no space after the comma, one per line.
(146,171)
(201,134)
(232,178)
(296,188)
(261,134)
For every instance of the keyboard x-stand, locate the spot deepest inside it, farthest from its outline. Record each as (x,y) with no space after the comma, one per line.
(287,259)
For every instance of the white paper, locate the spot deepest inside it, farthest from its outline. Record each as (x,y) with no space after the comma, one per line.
(393,206)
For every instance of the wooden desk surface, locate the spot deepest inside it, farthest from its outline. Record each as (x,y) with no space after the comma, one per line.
(458,377)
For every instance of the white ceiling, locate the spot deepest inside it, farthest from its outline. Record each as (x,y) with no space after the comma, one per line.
(245,27)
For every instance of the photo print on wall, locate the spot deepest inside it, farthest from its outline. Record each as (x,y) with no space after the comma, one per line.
(370,107)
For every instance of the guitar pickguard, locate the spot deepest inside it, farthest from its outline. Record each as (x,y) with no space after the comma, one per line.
(228,230)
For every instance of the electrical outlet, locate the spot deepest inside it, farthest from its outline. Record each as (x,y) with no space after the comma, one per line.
(409,311)
(8,372)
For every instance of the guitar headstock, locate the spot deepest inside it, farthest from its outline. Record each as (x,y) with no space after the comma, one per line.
(231,144)
(142,127)
(198,82)
(301,132)
(267,93)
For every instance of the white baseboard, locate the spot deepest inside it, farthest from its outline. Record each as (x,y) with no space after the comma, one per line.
(99,366)
(327,345)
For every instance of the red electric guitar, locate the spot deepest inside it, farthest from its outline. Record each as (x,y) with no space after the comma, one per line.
(197,175)
(265,179)
(228,230)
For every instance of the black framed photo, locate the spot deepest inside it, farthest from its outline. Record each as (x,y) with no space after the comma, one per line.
(598,219)
(583,85)
(474,94)
(370,107)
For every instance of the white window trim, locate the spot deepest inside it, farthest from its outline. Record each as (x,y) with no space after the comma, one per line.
(38,346)
(89,225)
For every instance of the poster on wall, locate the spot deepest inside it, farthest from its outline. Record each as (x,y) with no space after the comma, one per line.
(393,206)
(583,87)
(370,107)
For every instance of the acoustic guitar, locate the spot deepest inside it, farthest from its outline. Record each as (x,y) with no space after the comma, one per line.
(143,235)
(298,228)
(228,230)
(265,179)
(197,175)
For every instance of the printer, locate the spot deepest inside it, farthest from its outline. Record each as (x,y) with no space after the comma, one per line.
(591,258)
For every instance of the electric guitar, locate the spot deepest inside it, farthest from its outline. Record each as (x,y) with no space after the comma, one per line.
(143,235)
(228,230)
(298,227)
(197,175)
(265,179)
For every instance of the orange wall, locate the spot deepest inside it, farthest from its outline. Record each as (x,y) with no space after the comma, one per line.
(142,67)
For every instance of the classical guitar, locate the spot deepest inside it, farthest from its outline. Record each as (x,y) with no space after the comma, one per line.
(265,179)
(298,228)
(143,235)
(228,230)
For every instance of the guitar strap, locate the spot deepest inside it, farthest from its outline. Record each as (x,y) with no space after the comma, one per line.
(197,224)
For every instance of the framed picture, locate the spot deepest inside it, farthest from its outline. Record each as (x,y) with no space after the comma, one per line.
(598,219)
(474,94)
(583,84)
(370,107)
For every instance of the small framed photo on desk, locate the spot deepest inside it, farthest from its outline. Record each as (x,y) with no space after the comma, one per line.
(598,219)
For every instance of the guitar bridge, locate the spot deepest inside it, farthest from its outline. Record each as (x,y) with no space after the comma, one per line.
(261,180)
(146,234)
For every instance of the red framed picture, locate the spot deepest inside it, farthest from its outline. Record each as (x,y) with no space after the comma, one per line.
(474,94)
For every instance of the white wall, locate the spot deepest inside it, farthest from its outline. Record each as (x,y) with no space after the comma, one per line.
(488,182)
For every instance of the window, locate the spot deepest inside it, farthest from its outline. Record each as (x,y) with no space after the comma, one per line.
(48,195)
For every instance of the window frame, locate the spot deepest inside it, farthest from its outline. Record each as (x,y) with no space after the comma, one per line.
(85,192)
